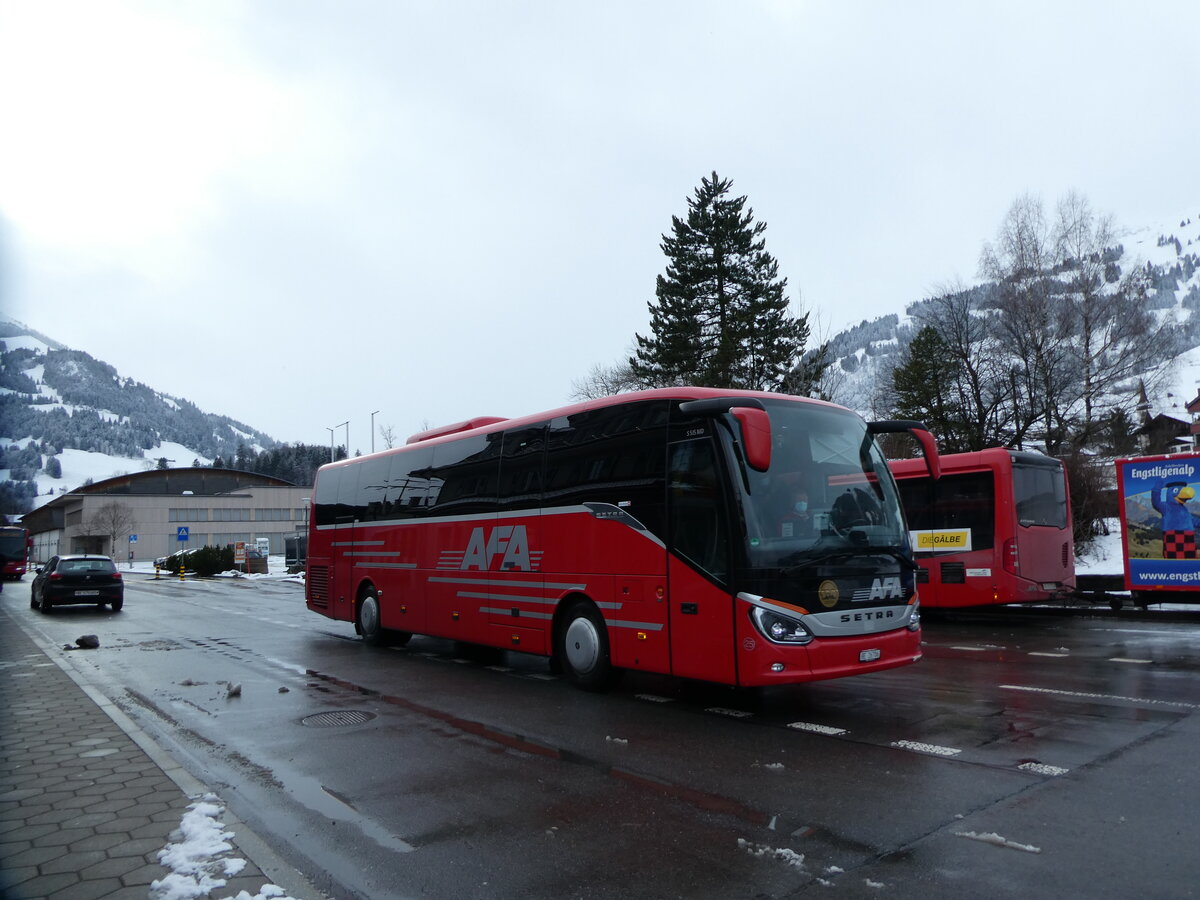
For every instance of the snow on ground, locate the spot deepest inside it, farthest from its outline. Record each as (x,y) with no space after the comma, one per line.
(276,570)
(24,342)
(1103,555)
(201,859)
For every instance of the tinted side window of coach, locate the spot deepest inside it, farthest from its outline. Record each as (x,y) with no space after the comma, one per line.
(409,483)
(464,476)
(521,467)
(615,455)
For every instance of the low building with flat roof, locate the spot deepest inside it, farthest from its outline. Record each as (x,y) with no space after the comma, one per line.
(140,516)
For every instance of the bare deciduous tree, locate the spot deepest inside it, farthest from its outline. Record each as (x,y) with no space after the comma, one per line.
(605,381)
(1117,338)
(113,520)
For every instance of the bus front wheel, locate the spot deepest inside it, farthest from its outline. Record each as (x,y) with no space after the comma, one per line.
(582,649)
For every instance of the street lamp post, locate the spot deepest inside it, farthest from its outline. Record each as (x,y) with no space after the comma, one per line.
(373,430)
(331,430)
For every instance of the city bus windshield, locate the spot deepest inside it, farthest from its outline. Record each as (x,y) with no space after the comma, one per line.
(12,545)
(828,493)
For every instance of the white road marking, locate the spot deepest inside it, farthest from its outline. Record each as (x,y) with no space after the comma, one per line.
(932,749)
(816,729)
(1080,695)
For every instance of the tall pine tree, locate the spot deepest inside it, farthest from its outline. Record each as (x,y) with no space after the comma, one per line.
(925,383)
(721,316)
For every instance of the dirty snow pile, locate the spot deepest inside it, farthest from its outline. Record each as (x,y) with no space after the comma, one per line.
(199,862)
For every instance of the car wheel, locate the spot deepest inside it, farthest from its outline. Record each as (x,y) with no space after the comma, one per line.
(117,604)
(32,599)
(45,604)
(583,648)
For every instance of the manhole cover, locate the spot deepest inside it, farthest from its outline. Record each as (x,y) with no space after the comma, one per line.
(338,718)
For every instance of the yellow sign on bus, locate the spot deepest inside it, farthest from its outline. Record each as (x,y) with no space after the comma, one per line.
(941,539)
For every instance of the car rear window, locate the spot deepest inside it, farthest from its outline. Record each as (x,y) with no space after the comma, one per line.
(86,566)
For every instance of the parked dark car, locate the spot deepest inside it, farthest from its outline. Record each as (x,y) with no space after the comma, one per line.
(77,579)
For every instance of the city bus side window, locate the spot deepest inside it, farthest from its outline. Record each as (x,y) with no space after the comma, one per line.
(699,532)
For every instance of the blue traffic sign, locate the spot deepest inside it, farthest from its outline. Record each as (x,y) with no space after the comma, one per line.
(181,533)
(133,539)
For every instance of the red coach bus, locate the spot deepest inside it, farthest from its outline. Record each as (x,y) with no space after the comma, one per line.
(995,528)
(655,530)
(14,551)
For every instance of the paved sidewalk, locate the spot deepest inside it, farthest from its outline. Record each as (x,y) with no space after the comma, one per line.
(87,800)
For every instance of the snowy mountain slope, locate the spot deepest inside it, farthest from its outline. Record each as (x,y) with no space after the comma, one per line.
(66,417)
(865,354)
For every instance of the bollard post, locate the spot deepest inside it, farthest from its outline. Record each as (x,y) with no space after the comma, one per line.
(156,575)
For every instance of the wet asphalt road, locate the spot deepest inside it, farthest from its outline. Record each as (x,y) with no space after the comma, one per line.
(1026,755)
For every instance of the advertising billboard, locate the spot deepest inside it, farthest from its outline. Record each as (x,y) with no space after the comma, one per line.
(1159,499)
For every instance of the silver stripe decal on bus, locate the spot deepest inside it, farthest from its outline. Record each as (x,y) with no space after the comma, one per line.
(375,553)
(643,626)
(358,543)
(521,614)
(485,519)
(542,601)
(550,586)
(367,564)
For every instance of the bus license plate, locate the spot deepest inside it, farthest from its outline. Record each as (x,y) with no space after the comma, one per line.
(869,655)
(87,593)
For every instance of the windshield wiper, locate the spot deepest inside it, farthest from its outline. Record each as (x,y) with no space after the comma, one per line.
(802,559)
(796,562)
(896,554)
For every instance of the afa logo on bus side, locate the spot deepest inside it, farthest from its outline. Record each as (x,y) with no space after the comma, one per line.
(509,542)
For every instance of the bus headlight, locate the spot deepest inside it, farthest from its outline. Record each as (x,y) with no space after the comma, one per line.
(780,629)
(915,622)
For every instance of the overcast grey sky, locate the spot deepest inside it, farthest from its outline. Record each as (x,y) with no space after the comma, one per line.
(296,212)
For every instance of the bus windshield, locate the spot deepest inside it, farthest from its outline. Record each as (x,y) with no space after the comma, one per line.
(828,492)
(1040,493)
(12,544)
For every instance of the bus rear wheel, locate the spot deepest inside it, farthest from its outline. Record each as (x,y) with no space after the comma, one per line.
(369,624)
(582,649)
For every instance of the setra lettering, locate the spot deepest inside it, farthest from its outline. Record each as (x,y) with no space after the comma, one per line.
(873,616)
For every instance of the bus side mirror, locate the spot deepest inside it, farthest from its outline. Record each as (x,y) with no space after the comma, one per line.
(755,426)
(923,435)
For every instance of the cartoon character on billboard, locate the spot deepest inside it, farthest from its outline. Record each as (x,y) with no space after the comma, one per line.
(1178,524)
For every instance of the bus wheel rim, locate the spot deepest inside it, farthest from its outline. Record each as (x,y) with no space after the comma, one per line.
(370,615)
(582,645)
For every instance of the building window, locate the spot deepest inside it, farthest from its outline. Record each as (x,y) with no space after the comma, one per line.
(231,515)
(272,515)
(188,514)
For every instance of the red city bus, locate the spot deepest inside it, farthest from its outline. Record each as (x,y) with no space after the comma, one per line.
(654,530)
(995,528)
(15,543)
